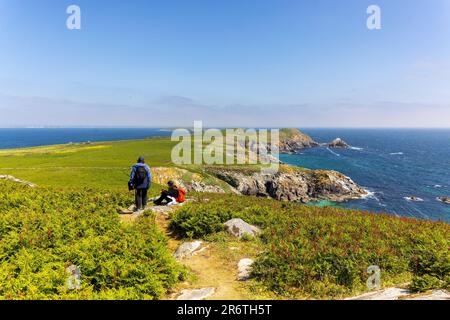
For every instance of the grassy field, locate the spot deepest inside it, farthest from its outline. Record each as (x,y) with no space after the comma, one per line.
(104,165)
(303,252)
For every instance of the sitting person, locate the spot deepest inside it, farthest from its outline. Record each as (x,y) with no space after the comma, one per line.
(172,196)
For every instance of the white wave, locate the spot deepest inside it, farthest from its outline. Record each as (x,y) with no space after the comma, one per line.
(356,148)
(413,199)
(396,153)
(336,154)
(370,195)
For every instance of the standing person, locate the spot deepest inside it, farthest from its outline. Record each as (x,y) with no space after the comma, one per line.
(140,180)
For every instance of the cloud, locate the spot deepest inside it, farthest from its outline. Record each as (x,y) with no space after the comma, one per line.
(179,111)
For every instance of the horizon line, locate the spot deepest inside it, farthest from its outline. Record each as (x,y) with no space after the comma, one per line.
(219,127)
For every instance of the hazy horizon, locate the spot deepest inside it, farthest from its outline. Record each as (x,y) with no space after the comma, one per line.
(277,63)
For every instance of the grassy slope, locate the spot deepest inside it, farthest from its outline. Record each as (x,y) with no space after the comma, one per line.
(43,232)
(312,252)
(105,166)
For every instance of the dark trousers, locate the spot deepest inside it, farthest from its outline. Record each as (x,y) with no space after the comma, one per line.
(141,198)
(164,197)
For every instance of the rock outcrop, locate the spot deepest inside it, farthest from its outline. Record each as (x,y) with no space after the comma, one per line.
(189,180)
(293,140)
(338,143)
(239,228)
(202,187)
(244,269)
(298,185)
(444,199)
(187,249)
(196,294)
(14,179)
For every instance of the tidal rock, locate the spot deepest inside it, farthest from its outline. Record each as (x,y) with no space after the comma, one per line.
(444,199)
(414,199)
(187,249)
(338,143)
(238,227)
(197,294)
(244,269)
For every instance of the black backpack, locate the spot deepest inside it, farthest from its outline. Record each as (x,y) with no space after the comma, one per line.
(141,175)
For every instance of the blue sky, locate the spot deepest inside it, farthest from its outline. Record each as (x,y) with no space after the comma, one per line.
(228,63)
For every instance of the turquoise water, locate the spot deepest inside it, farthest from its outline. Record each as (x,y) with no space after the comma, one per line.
(390,163)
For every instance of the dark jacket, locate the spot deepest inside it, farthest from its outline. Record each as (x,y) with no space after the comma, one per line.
(173,191)
(147,181)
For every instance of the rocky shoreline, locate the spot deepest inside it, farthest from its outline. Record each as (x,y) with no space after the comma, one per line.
(293,141)
(297,186)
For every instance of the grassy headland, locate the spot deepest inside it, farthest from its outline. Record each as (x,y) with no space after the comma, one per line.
(304,251)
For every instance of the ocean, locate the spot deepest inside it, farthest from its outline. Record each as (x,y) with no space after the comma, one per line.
(392,164)
(33,137)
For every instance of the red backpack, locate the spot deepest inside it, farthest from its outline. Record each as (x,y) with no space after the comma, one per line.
(181,195)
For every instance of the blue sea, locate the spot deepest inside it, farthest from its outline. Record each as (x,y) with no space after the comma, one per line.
(391,163)
(33,137)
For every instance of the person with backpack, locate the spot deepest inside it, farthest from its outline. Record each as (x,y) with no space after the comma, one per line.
(173,195)
(140,180)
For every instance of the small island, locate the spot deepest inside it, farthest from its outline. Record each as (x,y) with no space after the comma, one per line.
(338,143)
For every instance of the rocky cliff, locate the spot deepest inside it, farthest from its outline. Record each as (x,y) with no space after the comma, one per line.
(292,184)
(293,140)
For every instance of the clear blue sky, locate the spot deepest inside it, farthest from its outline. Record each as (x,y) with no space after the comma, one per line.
(226,62)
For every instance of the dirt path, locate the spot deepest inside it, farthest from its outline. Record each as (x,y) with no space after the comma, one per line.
(213,267)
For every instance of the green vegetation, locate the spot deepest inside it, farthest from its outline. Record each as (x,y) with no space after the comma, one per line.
(103,165)
(325,252)
(43,232)
(304,251)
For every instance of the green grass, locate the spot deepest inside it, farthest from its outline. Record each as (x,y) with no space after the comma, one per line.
(104,165)
(316,252)
(305,251)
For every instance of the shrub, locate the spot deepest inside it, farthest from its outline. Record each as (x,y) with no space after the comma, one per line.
(42,232)
(199,220)
(325,252)
(424,283)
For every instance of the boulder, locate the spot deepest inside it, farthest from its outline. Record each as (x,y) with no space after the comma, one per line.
(444,199)
(244,269)
(187,249)
(196,294)
(338,143)
(238,227)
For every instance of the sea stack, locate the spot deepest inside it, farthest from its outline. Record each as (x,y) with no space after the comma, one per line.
(338,143)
